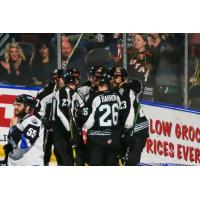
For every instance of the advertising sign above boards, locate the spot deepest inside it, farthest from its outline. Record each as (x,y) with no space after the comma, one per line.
(174,136)
(174,133)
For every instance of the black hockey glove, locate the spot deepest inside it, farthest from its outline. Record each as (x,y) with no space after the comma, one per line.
(135,85)
(128,139)
(7,148)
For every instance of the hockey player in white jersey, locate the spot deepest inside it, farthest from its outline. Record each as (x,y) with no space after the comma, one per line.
(25,139)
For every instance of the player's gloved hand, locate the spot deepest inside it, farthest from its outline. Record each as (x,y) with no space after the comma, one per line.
(128,137)
(135,85)
(7,148)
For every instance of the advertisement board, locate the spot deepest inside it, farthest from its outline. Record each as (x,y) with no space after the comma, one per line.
(174,136)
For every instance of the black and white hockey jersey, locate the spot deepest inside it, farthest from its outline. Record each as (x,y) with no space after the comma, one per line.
(44,101)
(132,114)
(86,90)
(68,102)
(27,142)
(101,118)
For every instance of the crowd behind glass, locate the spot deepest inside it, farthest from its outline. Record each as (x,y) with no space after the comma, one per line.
(157,60)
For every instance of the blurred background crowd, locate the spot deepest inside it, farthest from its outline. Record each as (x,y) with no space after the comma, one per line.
(167,64)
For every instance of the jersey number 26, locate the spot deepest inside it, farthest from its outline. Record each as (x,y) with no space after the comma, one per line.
(110,115)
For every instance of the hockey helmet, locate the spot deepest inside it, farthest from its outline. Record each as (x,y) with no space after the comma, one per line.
(54,74)
(26,100)
(57,73)
(92,71)
(69,77)
(99,71)
(105,78)
(60,73)
(118,71)
(75,72)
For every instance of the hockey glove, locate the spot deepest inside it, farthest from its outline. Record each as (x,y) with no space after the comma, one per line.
(7,148)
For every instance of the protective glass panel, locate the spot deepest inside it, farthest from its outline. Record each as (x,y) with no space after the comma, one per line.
(194,70)
(157,60)
(27,59)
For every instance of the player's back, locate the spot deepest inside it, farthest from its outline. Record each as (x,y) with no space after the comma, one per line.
(107,111)
(102,118)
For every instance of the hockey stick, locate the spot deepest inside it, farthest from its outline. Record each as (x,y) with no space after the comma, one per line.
(73,50)
(75,140)
(72,132)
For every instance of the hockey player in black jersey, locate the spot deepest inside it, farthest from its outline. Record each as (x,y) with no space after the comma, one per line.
(67,99)
(132,118)
(100,119)
(25,138)
(43,110)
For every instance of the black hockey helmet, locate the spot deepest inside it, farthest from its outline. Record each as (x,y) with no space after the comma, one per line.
(118,71)
(25,99)
(105,77)
(92,71)
(69,77)
(60,73)
(99,71)
(54,74)
(75,72)
(57,73)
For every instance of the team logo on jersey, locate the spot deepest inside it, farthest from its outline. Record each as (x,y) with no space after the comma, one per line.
(109,141)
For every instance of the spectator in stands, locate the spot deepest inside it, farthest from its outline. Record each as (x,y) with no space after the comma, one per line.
(77,59)
(44,64)
(66,50)
(168,86)
(194,82)
(115,47)
(141,66)
(13,67)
